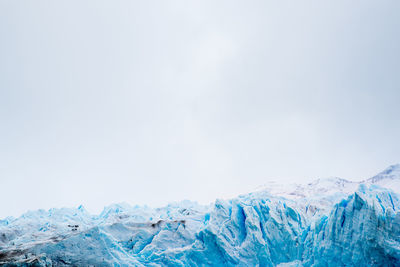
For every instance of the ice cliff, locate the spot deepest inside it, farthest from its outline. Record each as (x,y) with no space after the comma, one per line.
(330,222)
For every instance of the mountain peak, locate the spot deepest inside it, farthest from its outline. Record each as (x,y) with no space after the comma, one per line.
(392,173)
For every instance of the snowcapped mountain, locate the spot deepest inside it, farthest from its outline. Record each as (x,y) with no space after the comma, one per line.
(389,178)
(329,222)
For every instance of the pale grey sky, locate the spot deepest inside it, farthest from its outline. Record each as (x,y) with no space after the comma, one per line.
(156,101)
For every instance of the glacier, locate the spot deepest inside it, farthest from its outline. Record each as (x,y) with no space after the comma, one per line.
(329,222)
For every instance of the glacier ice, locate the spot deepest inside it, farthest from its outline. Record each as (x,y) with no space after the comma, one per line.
(329,222)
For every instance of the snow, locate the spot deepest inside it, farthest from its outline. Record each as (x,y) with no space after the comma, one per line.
(388,178)
(329,222)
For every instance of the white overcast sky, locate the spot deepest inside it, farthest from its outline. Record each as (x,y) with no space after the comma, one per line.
(150,102)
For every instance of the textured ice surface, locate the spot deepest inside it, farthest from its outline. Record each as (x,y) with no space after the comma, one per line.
(330,222)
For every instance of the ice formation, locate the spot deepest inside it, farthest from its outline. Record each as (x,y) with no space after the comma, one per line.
(330,222)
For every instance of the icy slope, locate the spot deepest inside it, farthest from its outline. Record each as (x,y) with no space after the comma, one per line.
(389,178)
(330,222)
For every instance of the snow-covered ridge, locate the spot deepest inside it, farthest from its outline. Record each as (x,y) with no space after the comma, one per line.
(322,194)
(296,225)
(332,185)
